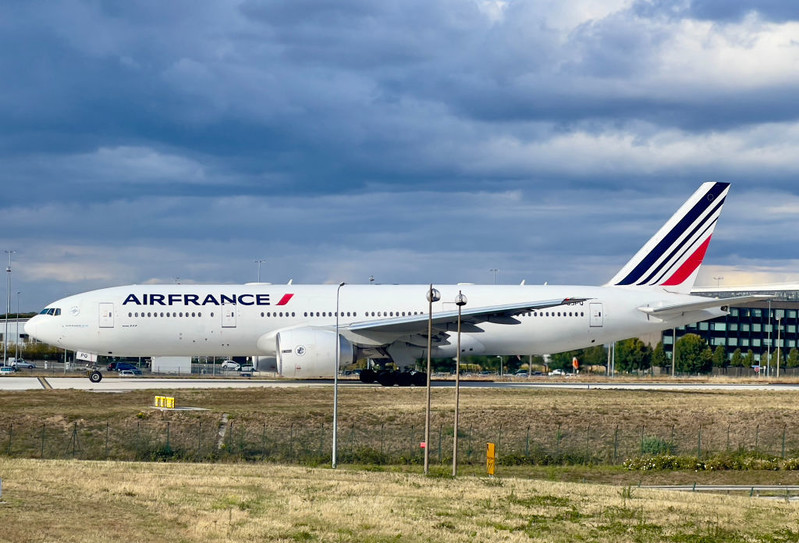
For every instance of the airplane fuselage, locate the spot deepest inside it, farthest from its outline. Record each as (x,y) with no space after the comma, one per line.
(242,320)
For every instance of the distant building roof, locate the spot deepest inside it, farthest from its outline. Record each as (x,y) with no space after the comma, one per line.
(781,291)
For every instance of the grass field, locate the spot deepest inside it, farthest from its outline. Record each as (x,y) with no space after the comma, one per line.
(49,496)
(385,426)
(57,500)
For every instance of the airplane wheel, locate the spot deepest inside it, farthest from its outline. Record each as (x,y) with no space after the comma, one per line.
(404,379)
(419,379)
(386,378)
(95,376)
(368,376)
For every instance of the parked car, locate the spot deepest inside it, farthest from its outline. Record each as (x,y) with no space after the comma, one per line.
(122,366)
(230,365)
(129,373)
(19,363)
(7,370)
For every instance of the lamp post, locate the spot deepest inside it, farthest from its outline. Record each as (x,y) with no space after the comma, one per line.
(8,305)
(768,340)
(494,270)
(16,344)
(432,296)
(335,383)
(460,301)
(259,262)
(779,317)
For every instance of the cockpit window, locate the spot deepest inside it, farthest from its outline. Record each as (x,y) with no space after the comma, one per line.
(55,311)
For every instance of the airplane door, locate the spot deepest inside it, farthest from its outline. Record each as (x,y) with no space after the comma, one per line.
(595,314)
(106,315)
(228,316)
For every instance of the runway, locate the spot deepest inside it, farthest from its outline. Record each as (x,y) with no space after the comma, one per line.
(123,384)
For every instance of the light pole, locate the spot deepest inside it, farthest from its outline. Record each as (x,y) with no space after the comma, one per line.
(335,383)
(495,270)
(718,280)
(779,317)
(259,262)
(432,296)
(768,341)
(460,301)
(16,344)
(8,305)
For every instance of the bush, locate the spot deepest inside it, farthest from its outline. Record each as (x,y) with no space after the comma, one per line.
(737,461)
(653,445)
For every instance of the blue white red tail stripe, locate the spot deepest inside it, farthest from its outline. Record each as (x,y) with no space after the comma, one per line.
(673,255)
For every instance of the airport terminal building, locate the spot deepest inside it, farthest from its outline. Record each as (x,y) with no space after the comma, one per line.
(760,326)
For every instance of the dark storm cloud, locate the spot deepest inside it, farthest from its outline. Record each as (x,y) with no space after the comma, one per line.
(415,140)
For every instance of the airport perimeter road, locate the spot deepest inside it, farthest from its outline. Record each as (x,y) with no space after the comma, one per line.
(120,384)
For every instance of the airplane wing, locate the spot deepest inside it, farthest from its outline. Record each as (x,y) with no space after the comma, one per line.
(501,314)
(676,309)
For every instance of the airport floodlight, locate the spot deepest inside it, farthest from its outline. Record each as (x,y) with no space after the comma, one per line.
(433,295)
(460,301)
(259,262)
(9,252)
(334,459)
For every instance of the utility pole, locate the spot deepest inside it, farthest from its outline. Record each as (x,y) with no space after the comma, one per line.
(8,305)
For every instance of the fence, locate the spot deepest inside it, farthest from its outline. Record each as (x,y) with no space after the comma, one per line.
(248,440)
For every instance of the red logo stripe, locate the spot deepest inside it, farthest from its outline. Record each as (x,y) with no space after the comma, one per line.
(689,266)
(285,299)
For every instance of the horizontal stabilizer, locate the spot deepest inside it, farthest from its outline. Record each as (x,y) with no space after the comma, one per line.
(675,309)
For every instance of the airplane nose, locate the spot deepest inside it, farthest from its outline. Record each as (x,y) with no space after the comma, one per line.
(33,327)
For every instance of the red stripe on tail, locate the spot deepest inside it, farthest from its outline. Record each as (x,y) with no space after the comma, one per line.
(689,266)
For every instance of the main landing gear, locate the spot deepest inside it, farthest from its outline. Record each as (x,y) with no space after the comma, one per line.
(94,374)
(388,378)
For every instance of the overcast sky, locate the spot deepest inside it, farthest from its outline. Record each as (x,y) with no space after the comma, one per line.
(414,141)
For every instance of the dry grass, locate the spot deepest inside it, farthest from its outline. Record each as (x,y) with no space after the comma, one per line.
(114,501)
(596,426)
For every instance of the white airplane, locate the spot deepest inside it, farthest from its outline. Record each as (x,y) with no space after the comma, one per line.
(292,329)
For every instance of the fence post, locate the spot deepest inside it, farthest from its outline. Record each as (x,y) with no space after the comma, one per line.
(672,438)
(106,439)
(42,441)
(642,439)
(440,437)
(291,442)
(527,445)
(74,438)
(784,428)
(413,444)
(699,443)
(499,440)
(588,441)
(10,437)
(469,448)
(757,435)
(557,440)
(615,443)
(728,437)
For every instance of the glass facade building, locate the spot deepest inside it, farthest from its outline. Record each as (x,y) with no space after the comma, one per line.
(761,326)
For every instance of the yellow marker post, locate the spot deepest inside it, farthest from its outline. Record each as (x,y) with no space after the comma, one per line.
(165,401)
(491,459)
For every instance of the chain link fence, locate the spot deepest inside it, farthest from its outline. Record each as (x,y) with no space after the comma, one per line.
(209,439)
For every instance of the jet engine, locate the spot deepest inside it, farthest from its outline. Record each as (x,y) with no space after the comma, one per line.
(311,352)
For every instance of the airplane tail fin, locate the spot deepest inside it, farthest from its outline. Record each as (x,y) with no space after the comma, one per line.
(671,258)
